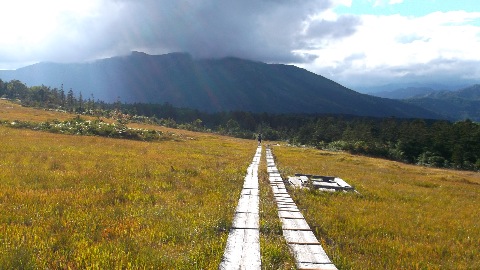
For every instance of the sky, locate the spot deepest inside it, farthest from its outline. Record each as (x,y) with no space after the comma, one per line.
(358,43)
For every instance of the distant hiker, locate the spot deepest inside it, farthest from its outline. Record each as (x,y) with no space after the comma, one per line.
(259,138)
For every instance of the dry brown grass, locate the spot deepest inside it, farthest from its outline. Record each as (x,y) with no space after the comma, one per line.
(13,111)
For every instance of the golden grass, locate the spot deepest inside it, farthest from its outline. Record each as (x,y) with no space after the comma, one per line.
(13,111)
(89,202)
(80,202)
(74,202)
(407,217)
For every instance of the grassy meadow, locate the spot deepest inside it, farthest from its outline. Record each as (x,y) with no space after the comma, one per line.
(80,202)
(90,202)
(86,202)
(405,217)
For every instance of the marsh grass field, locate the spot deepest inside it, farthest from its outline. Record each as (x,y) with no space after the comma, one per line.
(86,202)
(405,217)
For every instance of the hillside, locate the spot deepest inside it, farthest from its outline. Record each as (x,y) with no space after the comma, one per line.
(455,105)
(404,93)
(212,85)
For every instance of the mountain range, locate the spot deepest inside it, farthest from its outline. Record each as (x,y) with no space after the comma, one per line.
(454,105)
(212,85)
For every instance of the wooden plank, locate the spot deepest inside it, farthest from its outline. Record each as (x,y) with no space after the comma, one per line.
(290,214)
(329,185)
(275,179)
(282,195)
(300,237)
(250,184)
(282,186)
(313,254)
(246,221)
(279,191)
(288,207)
(342,183)
(316,266)
(272,170)
(294,224)
(242,250)
(276,190)
(250,191)
(295,181)
(248,204)
(284,199)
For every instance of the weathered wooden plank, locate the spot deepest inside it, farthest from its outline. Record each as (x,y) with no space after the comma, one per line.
(316,266)
(250,191)
(279,191)
(242,250)
(282,205)
(246,221)
(284,199)
(248,204)
(289,214)
(272,170)
(300,237)
(251,184)
(294,224)
(325,185)
(276,190)
(295,181)
(342,183)
(313,254)
(303,178)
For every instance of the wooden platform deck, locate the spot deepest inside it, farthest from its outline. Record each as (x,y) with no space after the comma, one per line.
(324,183)
(243,243)
(305,247)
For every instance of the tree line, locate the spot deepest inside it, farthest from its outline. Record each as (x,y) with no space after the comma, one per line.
(435,143)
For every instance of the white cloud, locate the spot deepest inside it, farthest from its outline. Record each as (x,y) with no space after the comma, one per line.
(400,47)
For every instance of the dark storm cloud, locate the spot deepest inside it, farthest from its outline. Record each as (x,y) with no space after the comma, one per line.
(263,30)
(267,30)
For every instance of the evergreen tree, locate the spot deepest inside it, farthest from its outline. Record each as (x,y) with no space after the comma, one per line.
(80,102)
(70,100)
(62,97)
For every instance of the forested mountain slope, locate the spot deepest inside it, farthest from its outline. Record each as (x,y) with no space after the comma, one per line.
(211,85)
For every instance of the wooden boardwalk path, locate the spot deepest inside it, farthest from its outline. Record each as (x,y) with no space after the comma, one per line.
(243,243)
(305,247)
